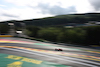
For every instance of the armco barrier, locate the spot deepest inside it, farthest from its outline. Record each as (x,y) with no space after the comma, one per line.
(6,35)
(95,46)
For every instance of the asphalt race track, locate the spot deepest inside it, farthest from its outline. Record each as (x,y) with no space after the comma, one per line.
(69,57)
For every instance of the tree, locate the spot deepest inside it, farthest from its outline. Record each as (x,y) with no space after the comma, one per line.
(93,35)
(74,35)
(50,33)
(32,31)
(4,28)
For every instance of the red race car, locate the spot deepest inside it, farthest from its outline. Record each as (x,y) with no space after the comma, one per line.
(58,50)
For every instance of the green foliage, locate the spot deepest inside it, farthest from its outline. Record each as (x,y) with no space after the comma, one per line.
(32,31)
(78,35)
(93,35)
(50,33)
(4,28)
(62,19)
(27,32)
(74,35)
(57,33)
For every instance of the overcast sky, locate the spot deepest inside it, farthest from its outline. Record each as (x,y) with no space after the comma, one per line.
(31,9)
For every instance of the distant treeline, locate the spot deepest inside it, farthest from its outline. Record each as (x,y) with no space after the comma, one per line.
(79,35)
(61,20)
(64,19)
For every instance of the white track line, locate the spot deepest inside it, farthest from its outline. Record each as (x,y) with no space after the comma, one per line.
(49,56)
(65,57)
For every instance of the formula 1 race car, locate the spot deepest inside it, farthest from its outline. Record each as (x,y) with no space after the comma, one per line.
(58,50)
